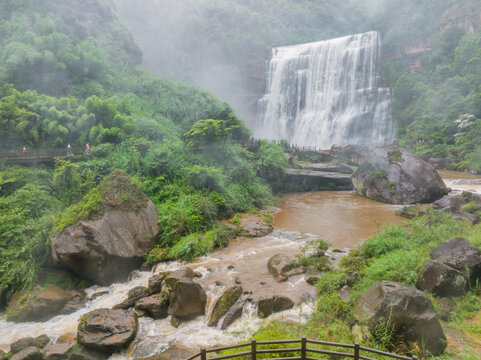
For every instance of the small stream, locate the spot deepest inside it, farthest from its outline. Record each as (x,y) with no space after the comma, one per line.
(342,218)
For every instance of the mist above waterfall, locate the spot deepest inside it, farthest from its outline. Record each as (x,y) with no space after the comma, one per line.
(327,92)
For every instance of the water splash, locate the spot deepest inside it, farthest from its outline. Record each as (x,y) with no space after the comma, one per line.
(327,92)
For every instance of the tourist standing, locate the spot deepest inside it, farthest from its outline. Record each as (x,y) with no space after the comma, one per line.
(69,150)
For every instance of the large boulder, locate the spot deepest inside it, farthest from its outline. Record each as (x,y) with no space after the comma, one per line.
(38,304)
(274,304)
(254,225)
(186,297)
(224,303)
(459,254)
(393,175)
(156,306)
(407,311)
(155,282)
(107,247)
(441,279)
(107,330)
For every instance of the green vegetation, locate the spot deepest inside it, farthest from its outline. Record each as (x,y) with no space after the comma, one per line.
(71,75)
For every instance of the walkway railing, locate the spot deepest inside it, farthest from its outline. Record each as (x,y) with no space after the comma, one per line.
(301,352)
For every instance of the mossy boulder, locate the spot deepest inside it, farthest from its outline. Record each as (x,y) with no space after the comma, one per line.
(39,342)
(393,175)
(38,304)
(224,303)
(112,233)
(274,304)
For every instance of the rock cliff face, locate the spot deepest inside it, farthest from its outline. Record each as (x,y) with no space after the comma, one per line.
(107,249)
(393,175)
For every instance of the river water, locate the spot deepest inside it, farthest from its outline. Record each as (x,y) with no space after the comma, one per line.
(342,218)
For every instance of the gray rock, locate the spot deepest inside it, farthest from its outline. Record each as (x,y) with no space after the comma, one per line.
(58,351)
(107,249)
(269,306)
(133,296)
(107,330)
(393,175)
(344,293)
(460,255)
(254,226)
(39,342)
(37,304)
(234,313)
(408,311)
(29,353)
(187,298)
(175,352)
(80,352)
(473,219)
(280,264)
(445,307)
(441,279)
(155,282)
(224,303)
(155,305)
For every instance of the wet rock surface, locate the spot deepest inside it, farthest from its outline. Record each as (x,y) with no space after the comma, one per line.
(280,264)
(107,330)
(155,306)
(186,297)
(254,225)
(39,342)
(39,304)
(393,175)
(174,352)
(410,312)
(133,296)
(269,306)
(29,353)
(224,303)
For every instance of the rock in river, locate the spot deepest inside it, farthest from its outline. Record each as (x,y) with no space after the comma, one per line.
(393,175)
(107,330)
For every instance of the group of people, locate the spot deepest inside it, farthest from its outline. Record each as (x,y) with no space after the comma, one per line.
(69,150)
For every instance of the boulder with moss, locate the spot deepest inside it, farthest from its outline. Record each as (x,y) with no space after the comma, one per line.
(39,304)
(105,236)
(224,303)
(393,175)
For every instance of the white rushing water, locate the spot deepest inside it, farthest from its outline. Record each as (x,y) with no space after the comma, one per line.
(244,259)
(327,92)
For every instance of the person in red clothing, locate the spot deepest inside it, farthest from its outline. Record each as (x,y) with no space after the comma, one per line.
(24,151)
(87,148)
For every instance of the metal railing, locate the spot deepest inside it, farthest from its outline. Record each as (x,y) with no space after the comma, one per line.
(302,352)
(42,153)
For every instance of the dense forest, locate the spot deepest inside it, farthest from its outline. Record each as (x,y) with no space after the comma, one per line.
(81,72)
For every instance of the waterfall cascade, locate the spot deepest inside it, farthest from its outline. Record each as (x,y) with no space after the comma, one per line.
(327,92)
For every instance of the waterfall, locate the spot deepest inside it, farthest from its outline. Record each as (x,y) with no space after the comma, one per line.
(327,92)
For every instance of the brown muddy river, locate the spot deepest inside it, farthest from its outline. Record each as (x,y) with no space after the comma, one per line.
(342,218)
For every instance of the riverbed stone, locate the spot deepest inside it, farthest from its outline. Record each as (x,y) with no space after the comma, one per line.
(80,352)
(234,313)
(107,330)
(463,215)
(224,303)
(58,350)
(407,310)
(155,282)
(29,353)
(155,306)
(460,255)
(393,175)
(37,304)
(441,279)
(274,304)
(280,264)
(186,297)
(134,295)
(175,352)
(254,225)
(38,342)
